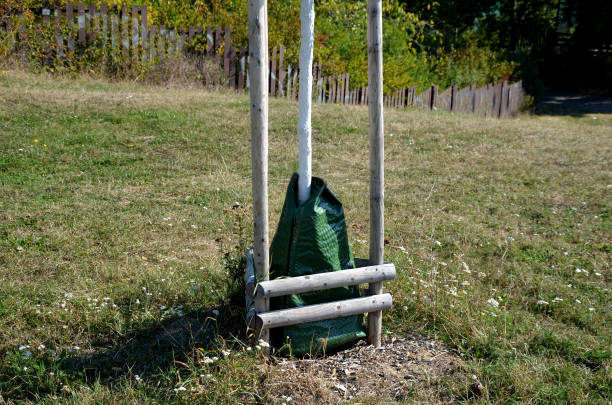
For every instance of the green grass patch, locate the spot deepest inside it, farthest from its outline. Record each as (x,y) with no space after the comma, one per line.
(124,209)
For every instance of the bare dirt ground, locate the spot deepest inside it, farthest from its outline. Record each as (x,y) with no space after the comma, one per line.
(407,368)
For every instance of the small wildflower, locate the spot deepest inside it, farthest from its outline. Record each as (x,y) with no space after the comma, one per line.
(35,140)
(180,389)
(542,302)
(137,378)
(591,309)
(207,360)
(493,302)
(263,343)
(226,352)
(215,312)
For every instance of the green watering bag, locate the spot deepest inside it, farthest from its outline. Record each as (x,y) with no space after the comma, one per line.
(311,239)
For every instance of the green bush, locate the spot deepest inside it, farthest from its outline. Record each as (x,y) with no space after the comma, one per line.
(472,64)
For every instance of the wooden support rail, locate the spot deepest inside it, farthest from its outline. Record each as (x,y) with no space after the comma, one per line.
(324,281)
(319,312)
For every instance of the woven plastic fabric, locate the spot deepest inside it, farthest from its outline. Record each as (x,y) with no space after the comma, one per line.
(311,239)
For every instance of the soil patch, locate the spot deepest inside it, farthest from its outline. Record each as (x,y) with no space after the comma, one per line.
(403,368)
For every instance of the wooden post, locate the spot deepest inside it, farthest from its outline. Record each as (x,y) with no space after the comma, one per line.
(294,83)
(104,15)
(281,71)
(227,56)
(472,98)
(377,155)
(209,42)
(70,26)
(114,30)
(161,49)
(258,74)
(135,41)
(323,281)
(172,42)
(81,23)
(503,105)
(152,42)
(288,81)
(125,41)
(57,29)
(272,76)
(92,26)
(232,75)
(328,310)
(434,96)
(144,32)
(46,13)
(241,67)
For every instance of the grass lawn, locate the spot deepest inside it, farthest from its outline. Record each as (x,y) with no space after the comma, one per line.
(119,224)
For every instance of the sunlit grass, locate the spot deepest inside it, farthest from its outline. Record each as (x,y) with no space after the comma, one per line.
(117,208)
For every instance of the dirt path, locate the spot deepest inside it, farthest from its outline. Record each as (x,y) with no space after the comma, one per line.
(574,103)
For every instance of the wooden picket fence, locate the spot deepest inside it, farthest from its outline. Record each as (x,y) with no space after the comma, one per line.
(126,32)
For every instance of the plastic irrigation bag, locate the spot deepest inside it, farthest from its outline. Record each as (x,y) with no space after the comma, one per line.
(310,239)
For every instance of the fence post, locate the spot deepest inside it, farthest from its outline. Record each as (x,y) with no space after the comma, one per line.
(294,84)
(46,13)
(281,71)
(345,93)
(434,97)
(152,43)
(210,47)
(135,33)
(272,72)
(104,15)
(93,23)
(227,56)
(242,63)
(144,32)
(81,23)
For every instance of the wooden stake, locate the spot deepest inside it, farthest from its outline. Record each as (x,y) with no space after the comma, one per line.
(323,281)
(258,76)
(377,205)
(319,312)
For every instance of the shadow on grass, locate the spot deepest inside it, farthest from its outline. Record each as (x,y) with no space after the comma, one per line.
(574,105)
(153,351)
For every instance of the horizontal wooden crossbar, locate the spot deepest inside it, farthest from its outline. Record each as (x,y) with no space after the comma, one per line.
(319,312)
(325,281)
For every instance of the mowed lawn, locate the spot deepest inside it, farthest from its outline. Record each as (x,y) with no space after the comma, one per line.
(123,209)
